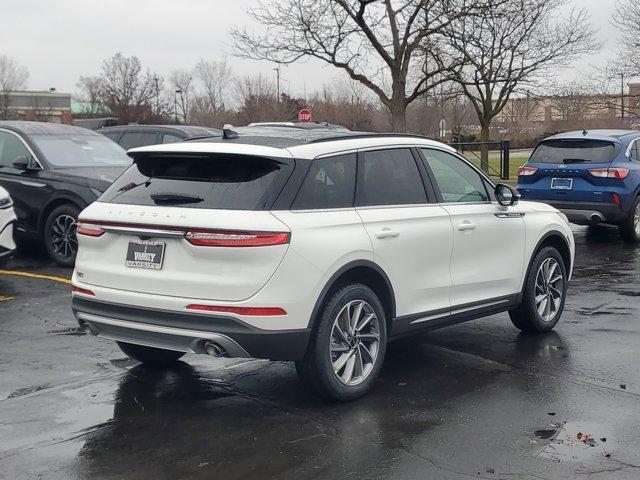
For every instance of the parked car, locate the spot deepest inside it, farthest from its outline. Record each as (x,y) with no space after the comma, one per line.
(52,172)
(132,136)
(591,176)
(262,244)
(7,219)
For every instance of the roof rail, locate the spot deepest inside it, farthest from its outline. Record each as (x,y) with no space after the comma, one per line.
(357,136)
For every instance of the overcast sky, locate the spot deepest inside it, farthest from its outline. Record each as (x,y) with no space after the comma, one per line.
(59,40)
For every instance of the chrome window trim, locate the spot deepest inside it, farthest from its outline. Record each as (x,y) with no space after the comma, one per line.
(33,155)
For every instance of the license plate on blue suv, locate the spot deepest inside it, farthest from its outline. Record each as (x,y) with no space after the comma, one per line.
(145,255)
(562,183)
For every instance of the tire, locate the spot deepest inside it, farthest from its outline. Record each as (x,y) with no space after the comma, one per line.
(59,235)
(528,317)
(630,227)
(360,355)
(150,355)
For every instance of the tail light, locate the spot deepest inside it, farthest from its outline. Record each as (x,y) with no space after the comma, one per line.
(616,198)
(83,291)
(525,171)
(617,173)
(247,311)
(219,238)
(89,229)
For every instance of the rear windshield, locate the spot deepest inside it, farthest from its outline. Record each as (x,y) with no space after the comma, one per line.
(574,151)
(228,182)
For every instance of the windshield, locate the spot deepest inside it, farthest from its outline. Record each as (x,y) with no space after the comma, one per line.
(81,151)
(574,151)
(233,182)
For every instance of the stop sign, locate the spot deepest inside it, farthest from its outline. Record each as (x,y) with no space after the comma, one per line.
(304,115)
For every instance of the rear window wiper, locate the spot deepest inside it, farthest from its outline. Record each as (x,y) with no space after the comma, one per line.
(574,160)
(174,198)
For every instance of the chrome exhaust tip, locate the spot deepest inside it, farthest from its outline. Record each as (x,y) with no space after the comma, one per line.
(214,350)
(596,218)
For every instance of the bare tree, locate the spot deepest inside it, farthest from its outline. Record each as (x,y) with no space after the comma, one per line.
(181,82)
(627,19)
(90,92)
(215,79)
(517,44)
(129,91)
(379,43)
(13,76)
(572,101)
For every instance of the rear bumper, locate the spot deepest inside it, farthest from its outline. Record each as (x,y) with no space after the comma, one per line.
(187,332)
(587,213)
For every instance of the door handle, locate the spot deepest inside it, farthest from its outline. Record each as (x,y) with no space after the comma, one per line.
(466,226)
(387,233)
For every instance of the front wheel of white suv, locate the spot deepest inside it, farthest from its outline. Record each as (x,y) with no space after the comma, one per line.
(544,293)
(346,352)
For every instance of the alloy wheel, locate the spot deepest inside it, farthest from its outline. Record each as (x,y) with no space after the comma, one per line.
(63,236)
(355,342)
(636,220)
(549,289)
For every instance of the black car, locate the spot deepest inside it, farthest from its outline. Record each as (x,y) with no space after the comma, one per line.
(132,136)
(52,172)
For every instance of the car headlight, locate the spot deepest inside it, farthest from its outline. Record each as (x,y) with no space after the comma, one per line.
(5,202)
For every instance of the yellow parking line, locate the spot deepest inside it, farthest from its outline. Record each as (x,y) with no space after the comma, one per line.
(18,273)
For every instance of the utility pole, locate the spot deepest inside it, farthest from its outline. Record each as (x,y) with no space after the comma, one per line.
(622,95)
(175,104)
(277,69)
(157,96)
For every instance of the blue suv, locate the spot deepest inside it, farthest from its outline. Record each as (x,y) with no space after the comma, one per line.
(591,176)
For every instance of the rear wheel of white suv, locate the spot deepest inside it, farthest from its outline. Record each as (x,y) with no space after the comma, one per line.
(346,352)
(544,293)
(150,355)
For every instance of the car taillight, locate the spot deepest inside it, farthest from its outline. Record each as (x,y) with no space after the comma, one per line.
(219,238)
(84,291)
(617,173)
(247,311)
(524,171)
(89,229)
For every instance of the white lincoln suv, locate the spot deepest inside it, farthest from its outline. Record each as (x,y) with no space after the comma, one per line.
(313,245)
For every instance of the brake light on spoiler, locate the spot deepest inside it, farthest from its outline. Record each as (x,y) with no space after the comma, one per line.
(617,173)
(195,236)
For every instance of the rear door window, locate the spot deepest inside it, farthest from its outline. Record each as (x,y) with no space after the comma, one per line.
(574,151)
(213,181)
(138,139)
(389,177)
(330,183)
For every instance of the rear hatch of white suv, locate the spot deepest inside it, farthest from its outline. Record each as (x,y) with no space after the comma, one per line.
(187,224)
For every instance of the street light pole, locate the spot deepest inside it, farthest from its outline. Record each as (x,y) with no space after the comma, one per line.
(175,104)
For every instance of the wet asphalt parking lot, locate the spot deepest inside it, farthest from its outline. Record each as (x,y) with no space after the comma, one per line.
(478,400)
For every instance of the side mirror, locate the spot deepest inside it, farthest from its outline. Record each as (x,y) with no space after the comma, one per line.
(23,163)
(506,196)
